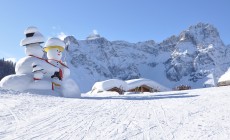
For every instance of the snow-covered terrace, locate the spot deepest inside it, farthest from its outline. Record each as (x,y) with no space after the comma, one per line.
(109,84)
(134,83)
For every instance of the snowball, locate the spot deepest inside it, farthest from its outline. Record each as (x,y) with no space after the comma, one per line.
(70,89)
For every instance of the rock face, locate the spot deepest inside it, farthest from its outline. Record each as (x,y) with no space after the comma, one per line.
(196,57)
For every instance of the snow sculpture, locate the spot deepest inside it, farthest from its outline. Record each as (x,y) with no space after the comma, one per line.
(54,48)
(33,50)
(60,79)
(33,72)
(24,69)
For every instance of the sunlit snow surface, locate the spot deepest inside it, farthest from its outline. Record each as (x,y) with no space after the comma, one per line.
(194,114)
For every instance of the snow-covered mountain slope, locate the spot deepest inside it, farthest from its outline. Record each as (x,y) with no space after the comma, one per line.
(196,57)
(187,115)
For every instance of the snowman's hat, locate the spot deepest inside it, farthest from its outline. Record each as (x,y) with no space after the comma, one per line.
(32,36)
(54,43)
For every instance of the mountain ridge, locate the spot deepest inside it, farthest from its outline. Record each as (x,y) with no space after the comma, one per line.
(191,58)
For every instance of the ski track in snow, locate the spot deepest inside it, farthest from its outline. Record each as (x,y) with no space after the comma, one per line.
(195,114)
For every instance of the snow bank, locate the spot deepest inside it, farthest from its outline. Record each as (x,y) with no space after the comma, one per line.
(109,84)
(134,83)
(18,82)
(25,83)
(70,89)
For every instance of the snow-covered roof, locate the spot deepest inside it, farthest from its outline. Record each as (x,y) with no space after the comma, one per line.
(225,77)
(109,84)
(140,82)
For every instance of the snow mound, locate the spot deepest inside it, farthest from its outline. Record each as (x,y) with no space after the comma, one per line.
(25,83)
(70,89)
(16,82)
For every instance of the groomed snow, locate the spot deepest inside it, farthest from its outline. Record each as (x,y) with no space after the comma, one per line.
(184,115)
(131,84)
(109,84)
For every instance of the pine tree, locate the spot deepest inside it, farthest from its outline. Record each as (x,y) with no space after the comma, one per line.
(6,68)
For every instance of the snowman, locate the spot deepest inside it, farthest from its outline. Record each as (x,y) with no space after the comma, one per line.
(54,48)
(33,50)
(61,81)
(33,72)
(25,73)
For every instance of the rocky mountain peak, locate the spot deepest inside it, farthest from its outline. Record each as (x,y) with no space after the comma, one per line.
(201,34)
(71,43)
(70,39)
(98,41)
(188,58)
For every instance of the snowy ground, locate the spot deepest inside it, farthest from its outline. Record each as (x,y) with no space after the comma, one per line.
(194,114)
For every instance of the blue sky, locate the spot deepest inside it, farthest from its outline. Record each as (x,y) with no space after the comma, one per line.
(130,20)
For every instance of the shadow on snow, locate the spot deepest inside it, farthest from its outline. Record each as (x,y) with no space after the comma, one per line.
(150,97)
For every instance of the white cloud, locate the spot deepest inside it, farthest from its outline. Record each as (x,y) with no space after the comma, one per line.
(62,35)
(11,59)
(95,32)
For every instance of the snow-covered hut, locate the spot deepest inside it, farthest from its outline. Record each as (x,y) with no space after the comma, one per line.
(144,85)
(110,85)
(224,80)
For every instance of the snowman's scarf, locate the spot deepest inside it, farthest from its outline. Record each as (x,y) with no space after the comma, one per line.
(37,57)
(47,60)
(56,61)
(60,70)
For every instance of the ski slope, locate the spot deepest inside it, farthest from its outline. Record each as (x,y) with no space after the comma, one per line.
(187,115)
